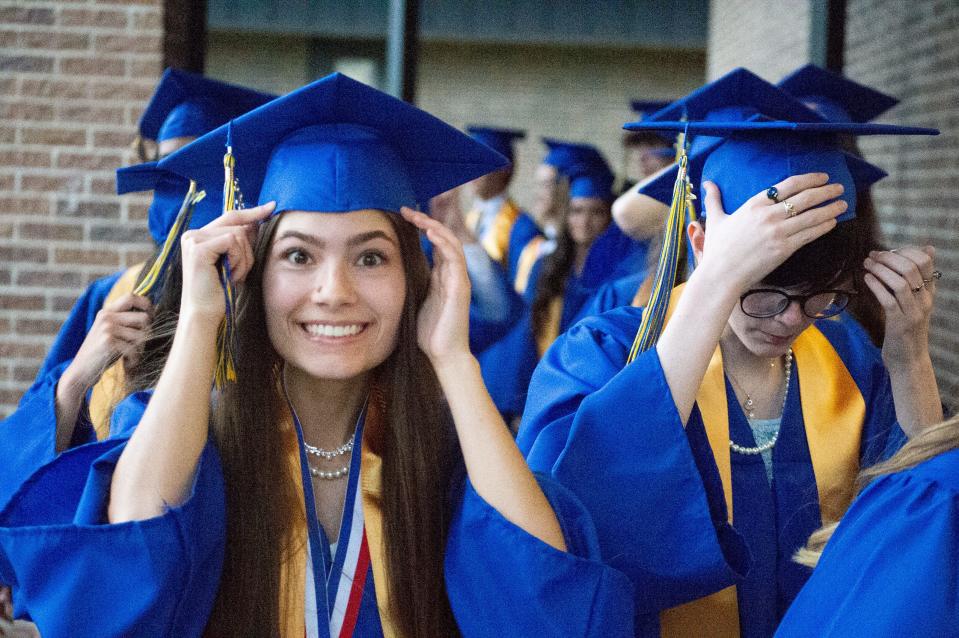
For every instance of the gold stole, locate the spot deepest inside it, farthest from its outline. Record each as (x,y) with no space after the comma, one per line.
(496,239)
(643,293)
(551,330)
(833,412)
(293,571)
(108,390)
(527,259)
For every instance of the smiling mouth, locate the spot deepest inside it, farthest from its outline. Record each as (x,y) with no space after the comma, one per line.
(333,331)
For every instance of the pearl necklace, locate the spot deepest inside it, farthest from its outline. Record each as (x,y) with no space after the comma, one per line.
(749,404)
(329,455)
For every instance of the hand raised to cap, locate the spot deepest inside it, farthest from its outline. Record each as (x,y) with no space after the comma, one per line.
(443,321)
(753,241)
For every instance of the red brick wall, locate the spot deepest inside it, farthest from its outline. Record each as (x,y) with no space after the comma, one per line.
(74,78)
(911,50)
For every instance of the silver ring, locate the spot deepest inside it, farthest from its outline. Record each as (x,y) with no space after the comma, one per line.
(936,274)
(790,208)
(920,287)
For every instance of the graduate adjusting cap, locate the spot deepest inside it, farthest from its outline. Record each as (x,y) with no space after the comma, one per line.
(591,178)
(188,105)
(499,139)
(169,189)
(835,97)
(337,145)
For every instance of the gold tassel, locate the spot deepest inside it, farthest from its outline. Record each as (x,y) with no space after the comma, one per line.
(226,336)
(152,283)
(654,314)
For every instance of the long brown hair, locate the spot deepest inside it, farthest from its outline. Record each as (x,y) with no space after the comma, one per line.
(932,442)
(419,456)
(555,271)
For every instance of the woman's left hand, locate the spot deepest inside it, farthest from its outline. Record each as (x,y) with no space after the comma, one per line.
(442,328)
(904,283)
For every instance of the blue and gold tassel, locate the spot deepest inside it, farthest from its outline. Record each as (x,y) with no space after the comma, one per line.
(226,337)
(680,209)
(152,283)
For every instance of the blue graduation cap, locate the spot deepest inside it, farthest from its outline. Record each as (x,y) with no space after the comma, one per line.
(499,139)
(591,178)
(744,158)
(189,105)
(566,157)
(169,189)
(644,108)
(836,97)
(737,95)
(337,145)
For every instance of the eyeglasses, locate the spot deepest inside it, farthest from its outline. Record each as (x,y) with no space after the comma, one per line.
(763,303)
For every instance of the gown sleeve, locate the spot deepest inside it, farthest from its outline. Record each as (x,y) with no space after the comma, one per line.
(891,567)
(75,575)
(613,437)
(502,581)
(28,436)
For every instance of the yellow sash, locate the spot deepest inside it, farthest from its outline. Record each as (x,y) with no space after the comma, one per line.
(644,291)
(527,259)
(109,390)
(551,330)
(293,571)
(833,412)
(496,238)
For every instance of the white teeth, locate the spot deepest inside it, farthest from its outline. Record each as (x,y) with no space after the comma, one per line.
(326,330)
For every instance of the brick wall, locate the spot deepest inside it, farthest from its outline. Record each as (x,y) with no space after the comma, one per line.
(911,50)
(769,37)
(74,78)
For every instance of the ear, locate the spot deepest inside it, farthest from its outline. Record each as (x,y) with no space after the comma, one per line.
(697,239)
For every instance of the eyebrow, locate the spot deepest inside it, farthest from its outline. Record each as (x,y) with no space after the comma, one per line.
(355,240)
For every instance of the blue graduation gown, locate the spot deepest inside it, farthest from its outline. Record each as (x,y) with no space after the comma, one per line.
(508,365)
(612,435)
(892,566)
(160,575)
(614,294)
(28,436)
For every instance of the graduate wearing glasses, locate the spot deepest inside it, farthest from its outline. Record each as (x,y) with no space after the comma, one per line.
(355,479)
(709,459)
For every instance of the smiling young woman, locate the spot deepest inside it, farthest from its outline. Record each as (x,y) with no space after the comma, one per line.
(355,479)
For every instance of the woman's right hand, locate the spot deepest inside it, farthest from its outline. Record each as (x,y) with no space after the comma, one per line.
(117,331)
(745,247)
(232,235)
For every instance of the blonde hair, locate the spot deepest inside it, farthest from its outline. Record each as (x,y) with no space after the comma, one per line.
(934,441)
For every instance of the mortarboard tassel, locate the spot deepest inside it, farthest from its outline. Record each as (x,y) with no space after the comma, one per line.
(152,283)
(226,338)
(654,315)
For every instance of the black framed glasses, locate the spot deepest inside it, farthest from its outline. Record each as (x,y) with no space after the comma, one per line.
(763,303)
